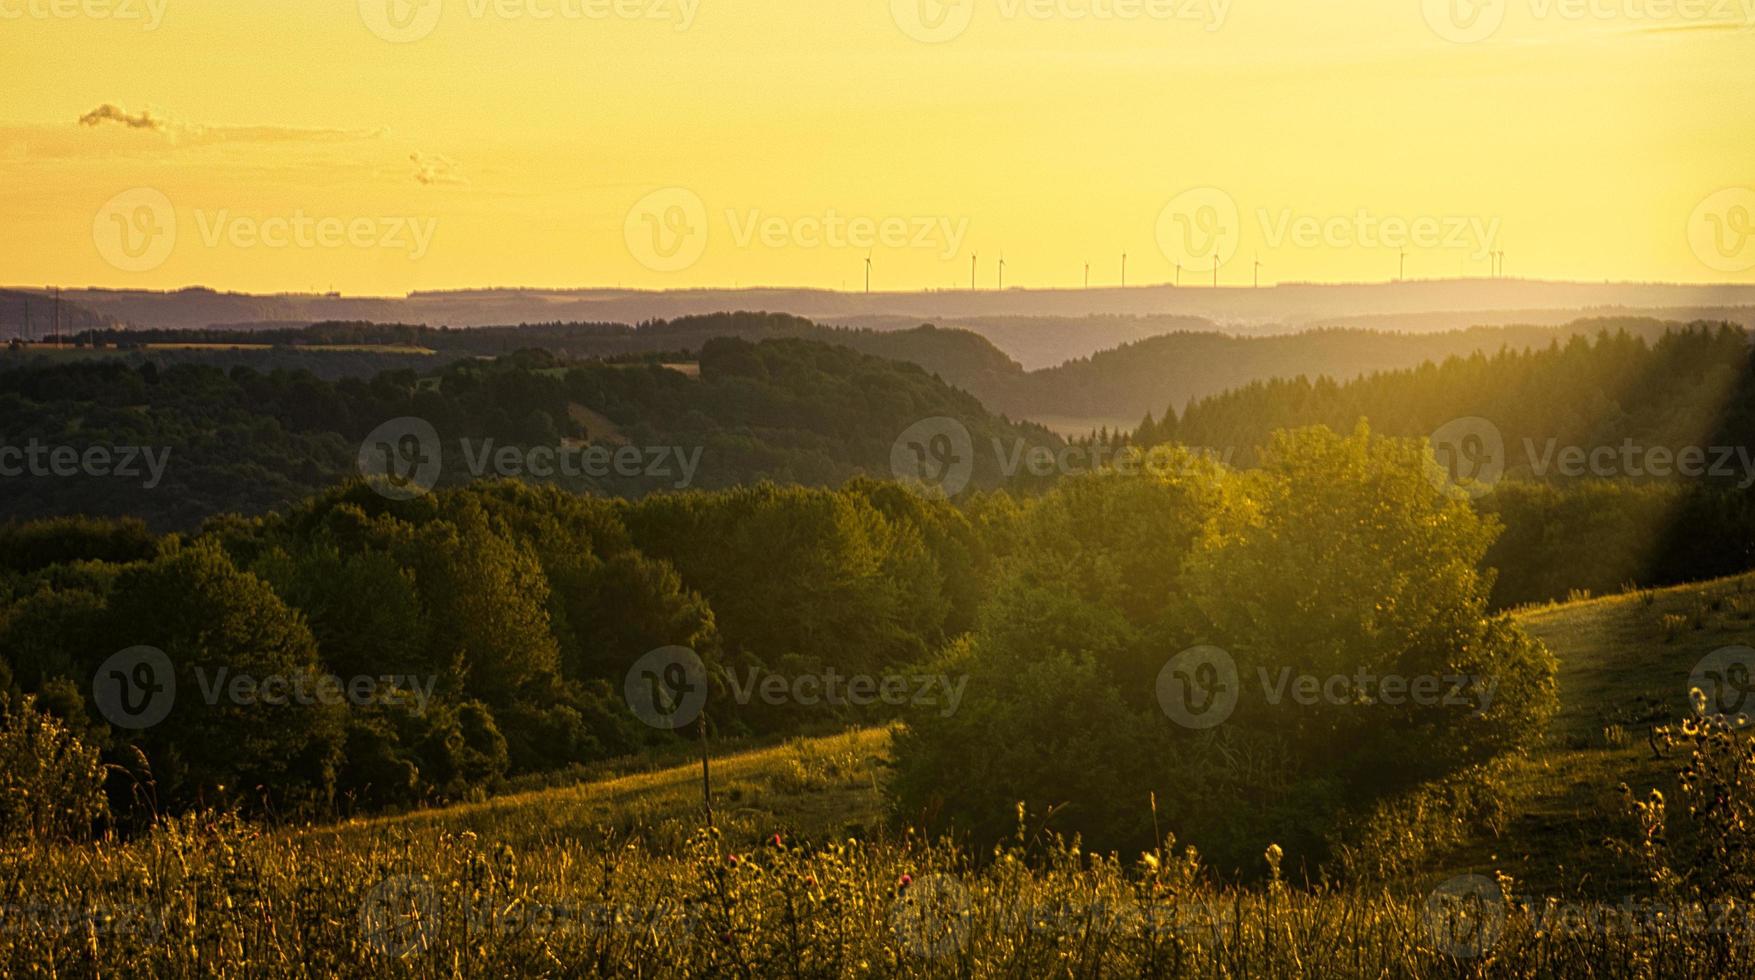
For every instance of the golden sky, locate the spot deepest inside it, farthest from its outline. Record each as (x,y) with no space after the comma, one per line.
(382,146)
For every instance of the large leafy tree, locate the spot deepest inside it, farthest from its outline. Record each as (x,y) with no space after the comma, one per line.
(1340,557)
(215,623)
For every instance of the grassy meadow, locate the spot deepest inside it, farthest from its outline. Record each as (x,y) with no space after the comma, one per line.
(802,873)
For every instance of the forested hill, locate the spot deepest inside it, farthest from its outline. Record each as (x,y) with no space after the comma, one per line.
(1609,460)
(1113,388)
(960,352)
(203,441)
(1123,384)
(1689,387)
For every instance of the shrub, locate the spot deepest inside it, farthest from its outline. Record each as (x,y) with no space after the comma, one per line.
(51,782)
(1338,557)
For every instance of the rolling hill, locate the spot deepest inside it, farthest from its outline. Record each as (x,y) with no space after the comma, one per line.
(1621,671)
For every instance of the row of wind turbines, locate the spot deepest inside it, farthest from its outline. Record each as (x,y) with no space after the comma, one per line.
(1497,257)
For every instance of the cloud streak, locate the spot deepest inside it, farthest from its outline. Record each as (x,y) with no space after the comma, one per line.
(109,112)
(183,133)
(437,169)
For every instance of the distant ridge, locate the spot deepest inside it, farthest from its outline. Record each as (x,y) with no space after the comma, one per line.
(1268,309)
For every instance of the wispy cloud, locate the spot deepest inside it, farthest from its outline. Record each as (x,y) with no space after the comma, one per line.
(1703,27)
(109,112)
(435,169)
(185,133)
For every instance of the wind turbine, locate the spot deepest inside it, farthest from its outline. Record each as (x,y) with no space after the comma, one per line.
(1403,274)
(1124,270)
(868,274)
(1002,272)
(1178,273)
(1215,269)
(973,259)
(1087,275)
(1258,271)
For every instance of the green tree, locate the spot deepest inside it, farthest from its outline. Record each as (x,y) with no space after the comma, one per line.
(216,624)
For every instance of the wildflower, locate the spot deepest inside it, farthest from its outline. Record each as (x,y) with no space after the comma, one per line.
(775,840)
(903,882)
(1274,854)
